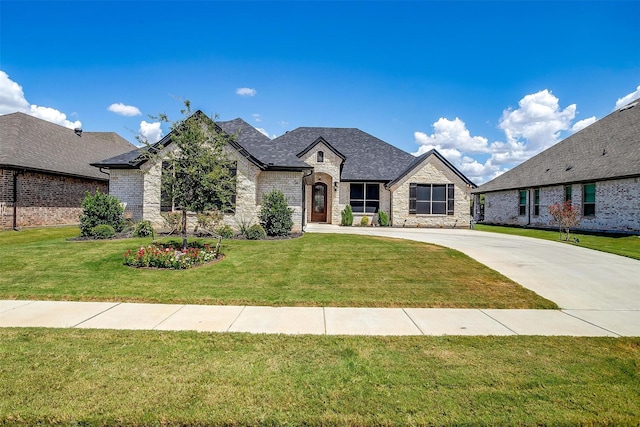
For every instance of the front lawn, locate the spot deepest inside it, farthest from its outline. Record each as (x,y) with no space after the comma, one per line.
(314,270)
(628,246)
(93,377)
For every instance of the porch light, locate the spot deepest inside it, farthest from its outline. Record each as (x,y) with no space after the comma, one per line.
(335,186)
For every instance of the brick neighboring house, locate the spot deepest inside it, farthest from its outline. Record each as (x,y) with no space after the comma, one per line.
(320,171)
(45,170)
(597,169)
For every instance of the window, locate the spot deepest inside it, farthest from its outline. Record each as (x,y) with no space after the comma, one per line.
(364,197)
(536,202)
(589,199)
(523,202)
(567,193)
(320,156)
(431,199)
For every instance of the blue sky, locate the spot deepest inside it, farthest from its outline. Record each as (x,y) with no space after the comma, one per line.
(489,84)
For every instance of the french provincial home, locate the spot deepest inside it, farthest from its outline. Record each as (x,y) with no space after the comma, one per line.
(320,170)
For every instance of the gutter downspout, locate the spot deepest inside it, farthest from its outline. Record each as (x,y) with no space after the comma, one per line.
(304,200)
(15,198)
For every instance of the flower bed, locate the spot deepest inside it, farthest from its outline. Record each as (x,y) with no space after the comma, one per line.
(171,255)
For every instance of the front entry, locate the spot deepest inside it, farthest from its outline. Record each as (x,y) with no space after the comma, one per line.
(319,203)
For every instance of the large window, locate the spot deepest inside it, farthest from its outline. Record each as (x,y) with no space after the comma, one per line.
(589,199)
(431,199)
(536,202)
(522,204)
(364,197)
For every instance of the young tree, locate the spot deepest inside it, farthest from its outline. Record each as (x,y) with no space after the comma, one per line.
(199,174)
(566,216)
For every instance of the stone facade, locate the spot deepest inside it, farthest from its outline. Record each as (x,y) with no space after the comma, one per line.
(617,206)
(328,172)
(431,171)
(43,199)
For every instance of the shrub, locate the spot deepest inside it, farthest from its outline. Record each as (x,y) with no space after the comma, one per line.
(103,231)
(364,222)
(383,219)
(347,216)
(143,229)
(171,255)
(208,221)
(255,232)
(225,231)
(98,209)
(275,215)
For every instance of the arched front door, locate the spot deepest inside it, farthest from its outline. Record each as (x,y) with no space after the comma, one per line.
(319,203)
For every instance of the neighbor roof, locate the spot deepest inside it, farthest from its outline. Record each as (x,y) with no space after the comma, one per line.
(27,142)
(607,149)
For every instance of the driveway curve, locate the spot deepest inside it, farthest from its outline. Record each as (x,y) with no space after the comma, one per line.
(573,277)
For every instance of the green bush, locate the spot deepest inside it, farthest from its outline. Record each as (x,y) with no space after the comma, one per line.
(225,231)
(364,221)
(98,209)
(383,219)
(103,231)
(347,216)
(275,214)
(143,229)
(255,232)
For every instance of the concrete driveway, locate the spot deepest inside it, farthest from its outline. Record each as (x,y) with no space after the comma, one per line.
(575,278)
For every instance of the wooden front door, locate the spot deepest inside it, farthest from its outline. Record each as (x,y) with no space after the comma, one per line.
(319,203)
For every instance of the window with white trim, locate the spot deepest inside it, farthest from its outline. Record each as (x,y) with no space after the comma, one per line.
(431,199)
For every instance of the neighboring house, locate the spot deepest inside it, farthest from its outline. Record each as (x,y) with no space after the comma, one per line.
(320,171)
(597,169)
(45,170)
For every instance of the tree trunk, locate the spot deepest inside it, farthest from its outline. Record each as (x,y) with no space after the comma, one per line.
(184,229)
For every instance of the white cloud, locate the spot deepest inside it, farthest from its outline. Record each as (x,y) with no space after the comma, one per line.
(535,125)
(246,91)
(12,100)
(124,110)
(151,132)
(579,125)
(257,117)
(538,119)
(264,132)
(621,102)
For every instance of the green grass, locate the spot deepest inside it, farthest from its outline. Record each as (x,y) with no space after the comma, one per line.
(315,270)
(628,246)
(93,377)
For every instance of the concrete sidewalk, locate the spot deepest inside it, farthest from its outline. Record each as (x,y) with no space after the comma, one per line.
(318,320)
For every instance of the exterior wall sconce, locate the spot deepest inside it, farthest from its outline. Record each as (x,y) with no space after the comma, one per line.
(335,186)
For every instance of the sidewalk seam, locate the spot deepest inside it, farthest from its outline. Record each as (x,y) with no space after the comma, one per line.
(590,323)
(497,321)
(413,321)
(236,319)
(96,315)
(169,316)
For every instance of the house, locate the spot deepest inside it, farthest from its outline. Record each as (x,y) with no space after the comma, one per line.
(45,170)
(596,169)
(320,171)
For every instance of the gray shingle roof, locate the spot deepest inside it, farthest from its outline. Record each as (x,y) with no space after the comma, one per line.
(607,149)
(421,158)
(31,143)
(367,158)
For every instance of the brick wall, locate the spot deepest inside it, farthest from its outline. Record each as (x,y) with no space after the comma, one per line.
(617,206)
(44,199)
(432,171)
(127,186)
(290,183)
